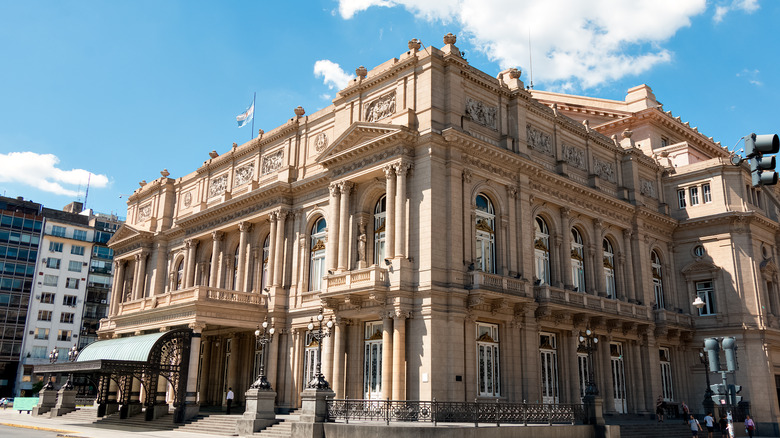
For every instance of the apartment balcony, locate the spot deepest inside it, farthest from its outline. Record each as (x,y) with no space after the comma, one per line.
(563,301)
(667,317)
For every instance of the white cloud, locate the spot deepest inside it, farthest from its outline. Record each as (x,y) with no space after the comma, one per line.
(751,76)
(332,74)
(41,171)
(748,6)
(575,43)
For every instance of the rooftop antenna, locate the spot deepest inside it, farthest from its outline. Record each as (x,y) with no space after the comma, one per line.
(86,195)
(531,62)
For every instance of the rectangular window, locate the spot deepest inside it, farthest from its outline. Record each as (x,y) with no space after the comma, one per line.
(758,199)
(44,315)
(66,318)
(55,246)
(72,283)
(666,374)
(53,263)
(488,360)
(42,333)
(75,266)
(706,193)
(69,300)
(79,235)
(64,335)
(664,142)
(77,250)
(694,194)
(681,198)
(47,298)
(50,280)
(39,352)
(58,231)
(705,291)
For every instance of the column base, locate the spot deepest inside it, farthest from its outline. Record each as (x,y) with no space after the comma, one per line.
(66,402)
(314,406)
(259,412)
(47,400)
(155,412)
(594,410)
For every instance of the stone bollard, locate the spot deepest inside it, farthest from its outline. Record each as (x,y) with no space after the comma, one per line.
(47,399)
(313,413)
(259,412)
(66,401)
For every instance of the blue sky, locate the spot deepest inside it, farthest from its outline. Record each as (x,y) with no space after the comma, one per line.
(121,90)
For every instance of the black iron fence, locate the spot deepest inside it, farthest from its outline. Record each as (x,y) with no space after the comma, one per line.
(454,412)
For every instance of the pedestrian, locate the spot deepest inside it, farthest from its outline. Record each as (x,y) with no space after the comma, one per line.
(709,421)
(695,426)
(5,403)
(660,407)
(750,426)
(685,410)
(229,397)
(724,426)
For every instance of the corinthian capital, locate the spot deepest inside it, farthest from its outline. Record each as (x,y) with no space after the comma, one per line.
(346,187)
(217,235)
(334,189)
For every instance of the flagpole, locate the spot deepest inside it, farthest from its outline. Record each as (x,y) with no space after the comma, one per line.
(253,115)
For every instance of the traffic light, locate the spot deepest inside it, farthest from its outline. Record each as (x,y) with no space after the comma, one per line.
(711,346)
(733,391)
(761,167)
(730,348)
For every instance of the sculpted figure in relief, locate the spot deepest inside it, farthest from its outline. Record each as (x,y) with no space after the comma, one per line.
(218,186)
(481,113)
(144,212)
(244,174)
(320,142)
(604,170)
(273,161)
(187,199)
(647,188)
(362,243)
(380,108)
(538,140)
(574,156)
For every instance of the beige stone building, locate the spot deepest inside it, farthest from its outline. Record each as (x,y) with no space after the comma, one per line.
(460,231)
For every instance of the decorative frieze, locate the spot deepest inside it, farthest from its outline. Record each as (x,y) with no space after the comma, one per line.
(380,108)
(144,212)
(574,156)
(604,170)
(480,113)
(538,140)
(647,187)
(244,174)
(272,162)
(218,185)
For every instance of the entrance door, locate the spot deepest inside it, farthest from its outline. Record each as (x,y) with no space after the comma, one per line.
(310,359)
(372,361)
(549,365)
(618,377)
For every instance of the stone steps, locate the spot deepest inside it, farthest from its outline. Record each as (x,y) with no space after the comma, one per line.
(674,429)
(282,429)
(222,425)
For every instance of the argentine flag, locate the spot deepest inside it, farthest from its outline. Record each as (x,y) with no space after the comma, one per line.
(246,116)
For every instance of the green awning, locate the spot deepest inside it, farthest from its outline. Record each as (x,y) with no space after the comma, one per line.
(134,348)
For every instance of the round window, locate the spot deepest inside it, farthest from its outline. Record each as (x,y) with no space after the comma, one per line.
(698,251)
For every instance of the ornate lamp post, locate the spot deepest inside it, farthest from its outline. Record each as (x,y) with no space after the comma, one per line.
(589,341)
(73,354)
(263,338)
(319,382)
(53,356)
(707,403)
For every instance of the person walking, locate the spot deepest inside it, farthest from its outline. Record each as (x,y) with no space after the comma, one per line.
(229,398)
(724,426)
(750,426)
(686,411)
(695,426)
(660,407)
(709,421)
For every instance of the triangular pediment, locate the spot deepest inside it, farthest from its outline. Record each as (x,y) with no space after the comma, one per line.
(700,267)
(362,137)
(768,267)
(125,234)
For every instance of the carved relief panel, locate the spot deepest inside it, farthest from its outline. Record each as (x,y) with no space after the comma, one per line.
(218,185)
(272,162)
(480,113)
(574,156)
(604,170)
(380,108)
(647,187)
(244,174)
(144,212)
(538,140)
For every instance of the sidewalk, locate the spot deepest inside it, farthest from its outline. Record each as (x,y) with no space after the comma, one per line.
(64,428)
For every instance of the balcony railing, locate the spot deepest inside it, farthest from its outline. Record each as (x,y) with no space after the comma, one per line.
(454,412)
(497,283)
(547,294)
(370,278)
(192,295)
(669,317)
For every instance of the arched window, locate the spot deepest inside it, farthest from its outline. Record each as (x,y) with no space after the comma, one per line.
(542,251)
(235,269)
(380,214)
(486,235)
(266,253)
(317,255)
(180,275)
(658,287)
(609,268)
(577,261)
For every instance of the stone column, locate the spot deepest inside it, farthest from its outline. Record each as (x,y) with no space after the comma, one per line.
(568,282)
(346,189)
(389,213)
(232,372)
(339,347)
(327,355)
(272,217)
(257,268)
(400,213)
(331,250)
(216,238)
(606,387)
(387,355)
(192,245)
(399,356)
(243,227)
(119,286)
(272,361)
(573,345)
(140,269)
(203,387)
(160,268)
(620,273)
(514,248)
(279,256)
(629,271)
(598,267)
(192,406)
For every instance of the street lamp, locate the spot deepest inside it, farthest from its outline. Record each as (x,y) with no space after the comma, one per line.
(699,303)
(707,403)
(263,338)
(73,353)
(319,382)
(589,341)
(54,355)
